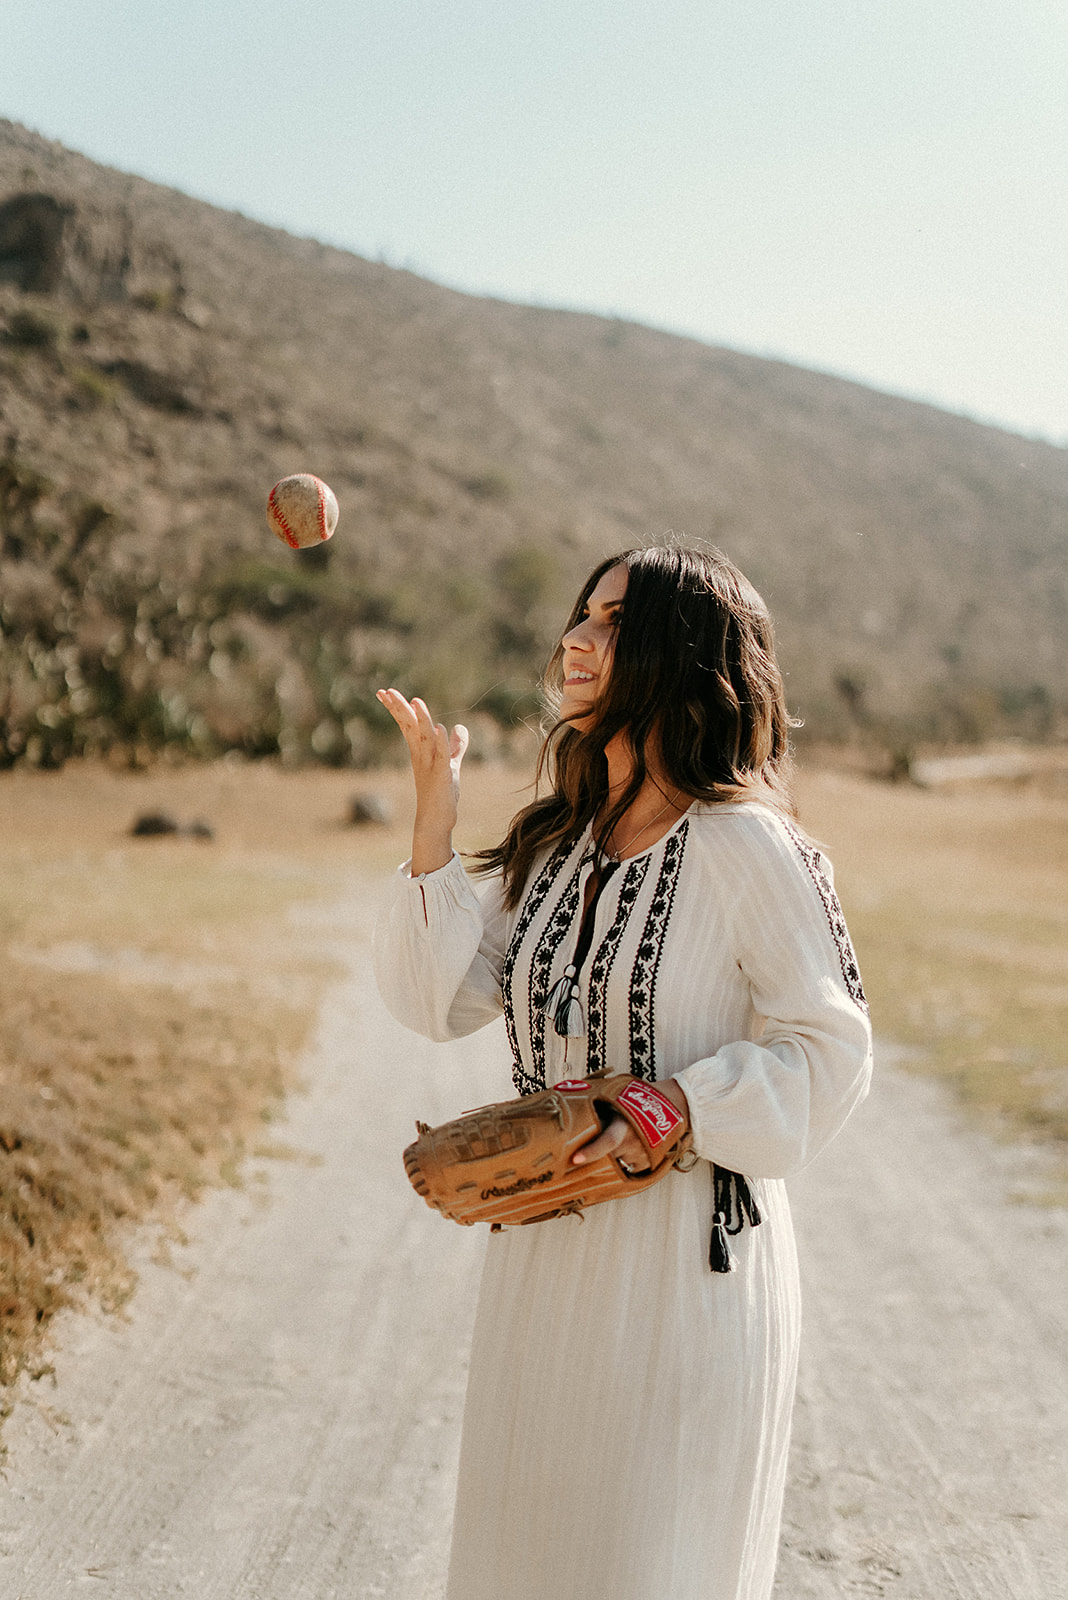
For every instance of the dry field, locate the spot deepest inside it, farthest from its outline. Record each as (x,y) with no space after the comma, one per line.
(155,994)
(958,905)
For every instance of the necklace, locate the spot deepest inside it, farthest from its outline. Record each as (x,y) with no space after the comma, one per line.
(618,852)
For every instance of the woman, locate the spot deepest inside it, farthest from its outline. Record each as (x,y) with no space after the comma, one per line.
(659,913)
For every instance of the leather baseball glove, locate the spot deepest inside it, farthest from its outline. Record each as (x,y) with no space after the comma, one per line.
(511,1162)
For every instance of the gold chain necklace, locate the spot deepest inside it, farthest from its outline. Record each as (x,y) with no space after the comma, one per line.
(618,853)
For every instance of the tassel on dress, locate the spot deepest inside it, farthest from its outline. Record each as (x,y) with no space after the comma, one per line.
(720,1254)
(564,1006)
(735,1205)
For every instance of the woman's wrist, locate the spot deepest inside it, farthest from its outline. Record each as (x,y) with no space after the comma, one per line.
(672,1090)
(431,850)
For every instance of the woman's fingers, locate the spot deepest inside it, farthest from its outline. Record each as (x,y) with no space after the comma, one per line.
(436,757)
(401,710)
(619,1140)
(458,744)
(394,703)
(423,720)
(429,736)
(425,737)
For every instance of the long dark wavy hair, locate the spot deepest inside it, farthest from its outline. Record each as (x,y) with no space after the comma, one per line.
(694,686)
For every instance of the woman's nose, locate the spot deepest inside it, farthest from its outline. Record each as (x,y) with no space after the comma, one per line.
(577,639)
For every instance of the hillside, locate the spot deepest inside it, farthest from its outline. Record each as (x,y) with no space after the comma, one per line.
(163,362)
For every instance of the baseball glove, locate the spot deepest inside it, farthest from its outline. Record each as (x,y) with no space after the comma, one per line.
(511,1163)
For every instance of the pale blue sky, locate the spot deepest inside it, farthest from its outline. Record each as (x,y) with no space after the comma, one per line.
(872,187)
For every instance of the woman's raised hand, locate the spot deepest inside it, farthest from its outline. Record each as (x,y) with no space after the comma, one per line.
(436,757)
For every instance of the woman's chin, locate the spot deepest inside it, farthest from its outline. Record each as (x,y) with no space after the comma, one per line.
(580,717)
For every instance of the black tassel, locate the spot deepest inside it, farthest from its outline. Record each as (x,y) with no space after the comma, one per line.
(720,1255)
(565,1007)
(747,1203)
(569,1022)
(735,1205)
(559,993)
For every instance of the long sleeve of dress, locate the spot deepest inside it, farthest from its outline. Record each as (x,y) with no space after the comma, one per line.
(767,1105)
(439,944)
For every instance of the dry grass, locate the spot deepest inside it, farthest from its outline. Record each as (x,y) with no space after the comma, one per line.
(144,1036)
(154,1000)
(958,905)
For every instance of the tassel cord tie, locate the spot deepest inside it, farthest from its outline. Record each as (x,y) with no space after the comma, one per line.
(734,1205)
(564,1001)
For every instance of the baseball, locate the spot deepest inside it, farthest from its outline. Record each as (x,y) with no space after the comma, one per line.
(302,510)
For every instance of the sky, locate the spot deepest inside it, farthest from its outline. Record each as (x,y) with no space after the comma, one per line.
(874,188)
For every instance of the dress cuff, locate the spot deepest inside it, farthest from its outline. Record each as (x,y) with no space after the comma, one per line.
(439,874)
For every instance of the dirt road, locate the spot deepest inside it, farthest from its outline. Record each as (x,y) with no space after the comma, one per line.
(278,1417)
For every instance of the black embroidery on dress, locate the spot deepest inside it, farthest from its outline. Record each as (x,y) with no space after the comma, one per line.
(647,959)
(603,960)
(839,932)
(552,936)
(525,1081)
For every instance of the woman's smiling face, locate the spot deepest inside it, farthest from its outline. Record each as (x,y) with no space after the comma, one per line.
(590,646)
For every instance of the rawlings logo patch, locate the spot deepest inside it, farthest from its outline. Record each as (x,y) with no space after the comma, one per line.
(652,1111)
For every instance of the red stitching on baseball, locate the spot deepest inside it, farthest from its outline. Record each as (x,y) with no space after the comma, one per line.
(279,517)
(321,491)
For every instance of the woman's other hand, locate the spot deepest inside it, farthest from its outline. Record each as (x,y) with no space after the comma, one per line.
(620,1140)
(436,757)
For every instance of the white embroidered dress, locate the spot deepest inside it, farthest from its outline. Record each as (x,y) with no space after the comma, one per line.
(628,1410)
